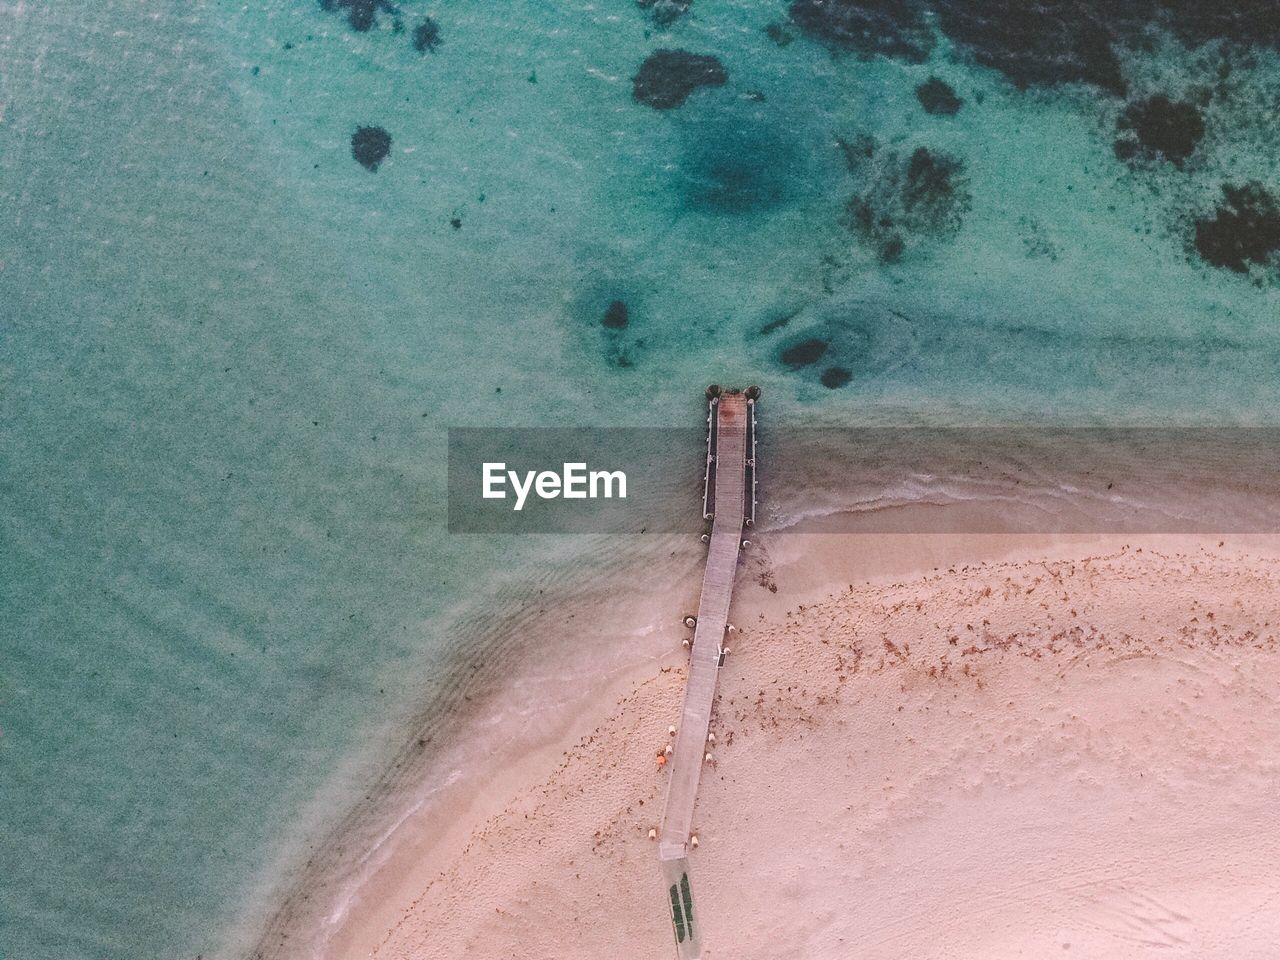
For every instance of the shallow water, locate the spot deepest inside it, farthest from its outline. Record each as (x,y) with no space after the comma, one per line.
(230,353)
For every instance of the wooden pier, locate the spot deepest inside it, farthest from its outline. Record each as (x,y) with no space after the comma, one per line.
(730,505)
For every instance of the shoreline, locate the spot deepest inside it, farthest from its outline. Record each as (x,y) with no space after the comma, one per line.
(515,701)
(785,573)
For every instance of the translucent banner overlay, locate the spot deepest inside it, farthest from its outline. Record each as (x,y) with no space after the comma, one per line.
(873,480)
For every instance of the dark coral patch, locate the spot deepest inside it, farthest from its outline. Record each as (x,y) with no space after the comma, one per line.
(1035,42)
(773,326)
(857,151)
(667,77)
(938,97)
(370,146)
(1163,128)
(1040,43)
(845,340)
(803,354)
(1050,42)
(779,34)
(894,28)
(665,12)
(426,36)
(833,378)
(929,190)
(1244,230)
(892,249)
(616,316)
(1195,22)
(361,14)
(924,197)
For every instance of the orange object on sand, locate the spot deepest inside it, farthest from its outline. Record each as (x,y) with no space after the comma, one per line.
(662,759)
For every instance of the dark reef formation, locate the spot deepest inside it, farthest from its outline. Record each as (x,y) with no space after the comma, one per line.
(779,34)
(1159,128)
(833,378)
(924,197)
(895,28)
(361,14)
(616,316)
(663,13)
(858,151)
(803,354)
(844,340)
(778,323)
(1195,22)
(370,146)
(938,97)
(1035,42)
(929,191)
(1244,230)
(426,36)
(667,77)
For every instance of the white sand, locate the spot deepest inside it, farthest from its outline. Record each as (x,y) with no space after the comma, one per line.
(1063,749)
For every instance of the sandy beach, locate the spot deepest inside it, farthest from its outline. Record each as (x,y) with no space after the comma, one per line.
(927,746)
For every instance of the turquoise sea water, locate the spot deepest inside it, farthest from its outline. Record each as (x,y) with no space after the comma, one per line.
(228,352)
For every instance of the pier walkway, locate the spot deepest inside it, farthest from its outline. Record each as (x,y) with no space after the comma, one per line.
(730,470)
